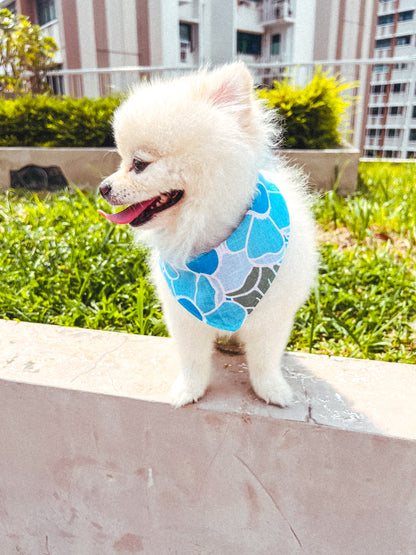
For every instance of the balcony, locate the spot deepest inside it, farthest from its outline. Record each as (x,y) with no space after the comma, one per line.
(386,7)
(277,11)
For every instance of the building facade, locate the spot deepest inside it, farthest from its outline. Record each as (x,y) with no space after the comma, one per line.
(269,34)
(168,33)
(391,113)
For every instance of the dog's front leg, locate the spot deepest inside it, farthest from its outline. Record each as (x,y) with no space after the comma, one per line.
(265,344)
(194,342)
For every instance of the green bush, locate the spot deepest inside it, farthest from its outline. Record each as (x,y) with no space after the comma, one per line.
(48,121)
(312,115)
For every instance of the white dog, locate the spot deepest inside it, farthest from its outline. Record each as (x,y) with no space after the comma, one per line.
(228,224)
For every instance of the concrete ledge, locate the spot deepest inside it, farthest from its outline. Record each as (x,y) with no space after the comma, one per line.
(323,167)
(86,167)
(94,460)
(83,167)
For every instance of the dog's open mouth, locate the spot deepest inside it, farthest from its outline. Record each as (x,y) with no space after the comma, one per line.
(141,212)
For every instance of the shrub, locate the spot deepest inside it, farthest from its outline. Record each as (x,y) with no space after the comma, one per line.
(50,121)
(312,115)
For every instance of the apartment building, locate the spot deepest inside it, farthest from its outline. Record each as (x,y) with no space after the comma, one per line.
(189,33)
(105,33)
(391,117)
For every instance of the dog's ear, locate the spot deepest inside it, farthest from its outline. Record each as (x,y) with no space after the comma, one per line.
(230,86)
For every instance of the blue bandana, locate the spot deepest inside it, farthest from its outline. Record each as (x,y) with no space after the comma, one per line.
(223,286)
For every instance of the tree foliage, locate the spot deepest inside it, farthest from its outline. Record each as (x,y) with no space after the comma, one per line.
(25,55)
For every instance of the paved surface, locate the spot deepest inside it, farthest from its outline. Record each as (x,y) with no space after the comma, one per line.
(94,461)
(349,394)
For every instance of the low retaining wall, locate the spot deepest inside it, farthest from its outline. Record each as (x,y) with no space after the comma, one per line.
(86,167)
(95,461)
(328,167)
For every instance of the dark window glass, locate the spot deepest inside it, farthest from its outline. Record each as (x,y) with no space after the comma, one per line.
(46,11)
(385,19)
(383,43)
(406,16)
(248,43)
(401,41)
(275,48)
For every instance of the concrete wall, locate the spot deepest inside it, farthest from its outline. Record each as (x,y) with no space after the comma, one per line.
(85,168)
(326,167)
(94,460)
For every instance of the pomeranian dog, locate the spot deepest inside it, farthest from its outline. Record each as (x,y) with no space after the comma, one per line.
(228,223)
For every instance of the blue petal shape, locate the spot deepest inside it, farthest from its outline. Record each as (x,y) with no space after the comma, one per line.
(169,271)
(279,212)
(261,201)
(205,264)
(237,240)
(185,286)
(263,238)
(205,296)
(190,307)
(229,316)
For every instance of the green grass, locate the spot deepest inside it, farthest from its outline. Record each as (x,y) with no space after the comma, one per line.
(61,263)
(365,303)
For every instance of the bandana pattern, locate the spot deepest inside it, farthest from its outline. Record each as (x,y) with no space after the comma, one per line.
(221,287)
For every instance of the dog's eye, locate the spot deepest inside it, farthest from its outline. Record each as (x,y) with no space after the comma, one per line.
(139,165)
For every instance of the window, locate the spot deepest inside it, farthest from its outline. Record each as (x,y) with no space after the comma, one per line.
(275,46)
(400,66)
(185,33)
(406,16)
(402,41)
(398,87)
(414,112)
(374,132)
(410,154)
(46,11)
(381,68)
(412,135)
(377,89)
(385,19)
(248,43)
(393,132)
(396,110)
(56,82)
(383,43)
(376,111)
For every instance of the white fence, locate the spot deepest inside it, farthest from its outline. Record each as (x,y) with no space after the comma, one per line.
(385,89)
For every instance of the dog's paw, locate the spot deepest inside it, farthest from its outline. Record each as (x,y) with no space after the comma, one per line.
(274,389)
(185,391)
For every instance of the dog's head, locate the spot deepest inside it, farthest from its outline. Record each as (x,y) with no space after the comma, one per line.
(190,150)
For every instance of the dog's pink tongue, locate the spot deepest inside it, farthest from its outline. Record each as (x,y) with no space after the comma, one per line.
(128,214)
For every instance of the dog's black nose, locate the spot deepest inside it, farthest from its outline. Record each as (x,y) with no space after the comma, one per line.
(105,188)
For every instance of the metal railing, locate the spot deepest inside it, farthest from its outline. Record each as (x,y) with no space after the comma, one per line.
(365,75)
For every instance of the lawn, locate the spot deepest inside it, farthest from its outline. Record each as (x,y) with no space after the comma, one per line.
(63,264)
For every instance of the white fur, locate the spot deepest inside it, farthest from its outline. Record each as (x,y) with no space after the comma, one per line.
(206,134)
